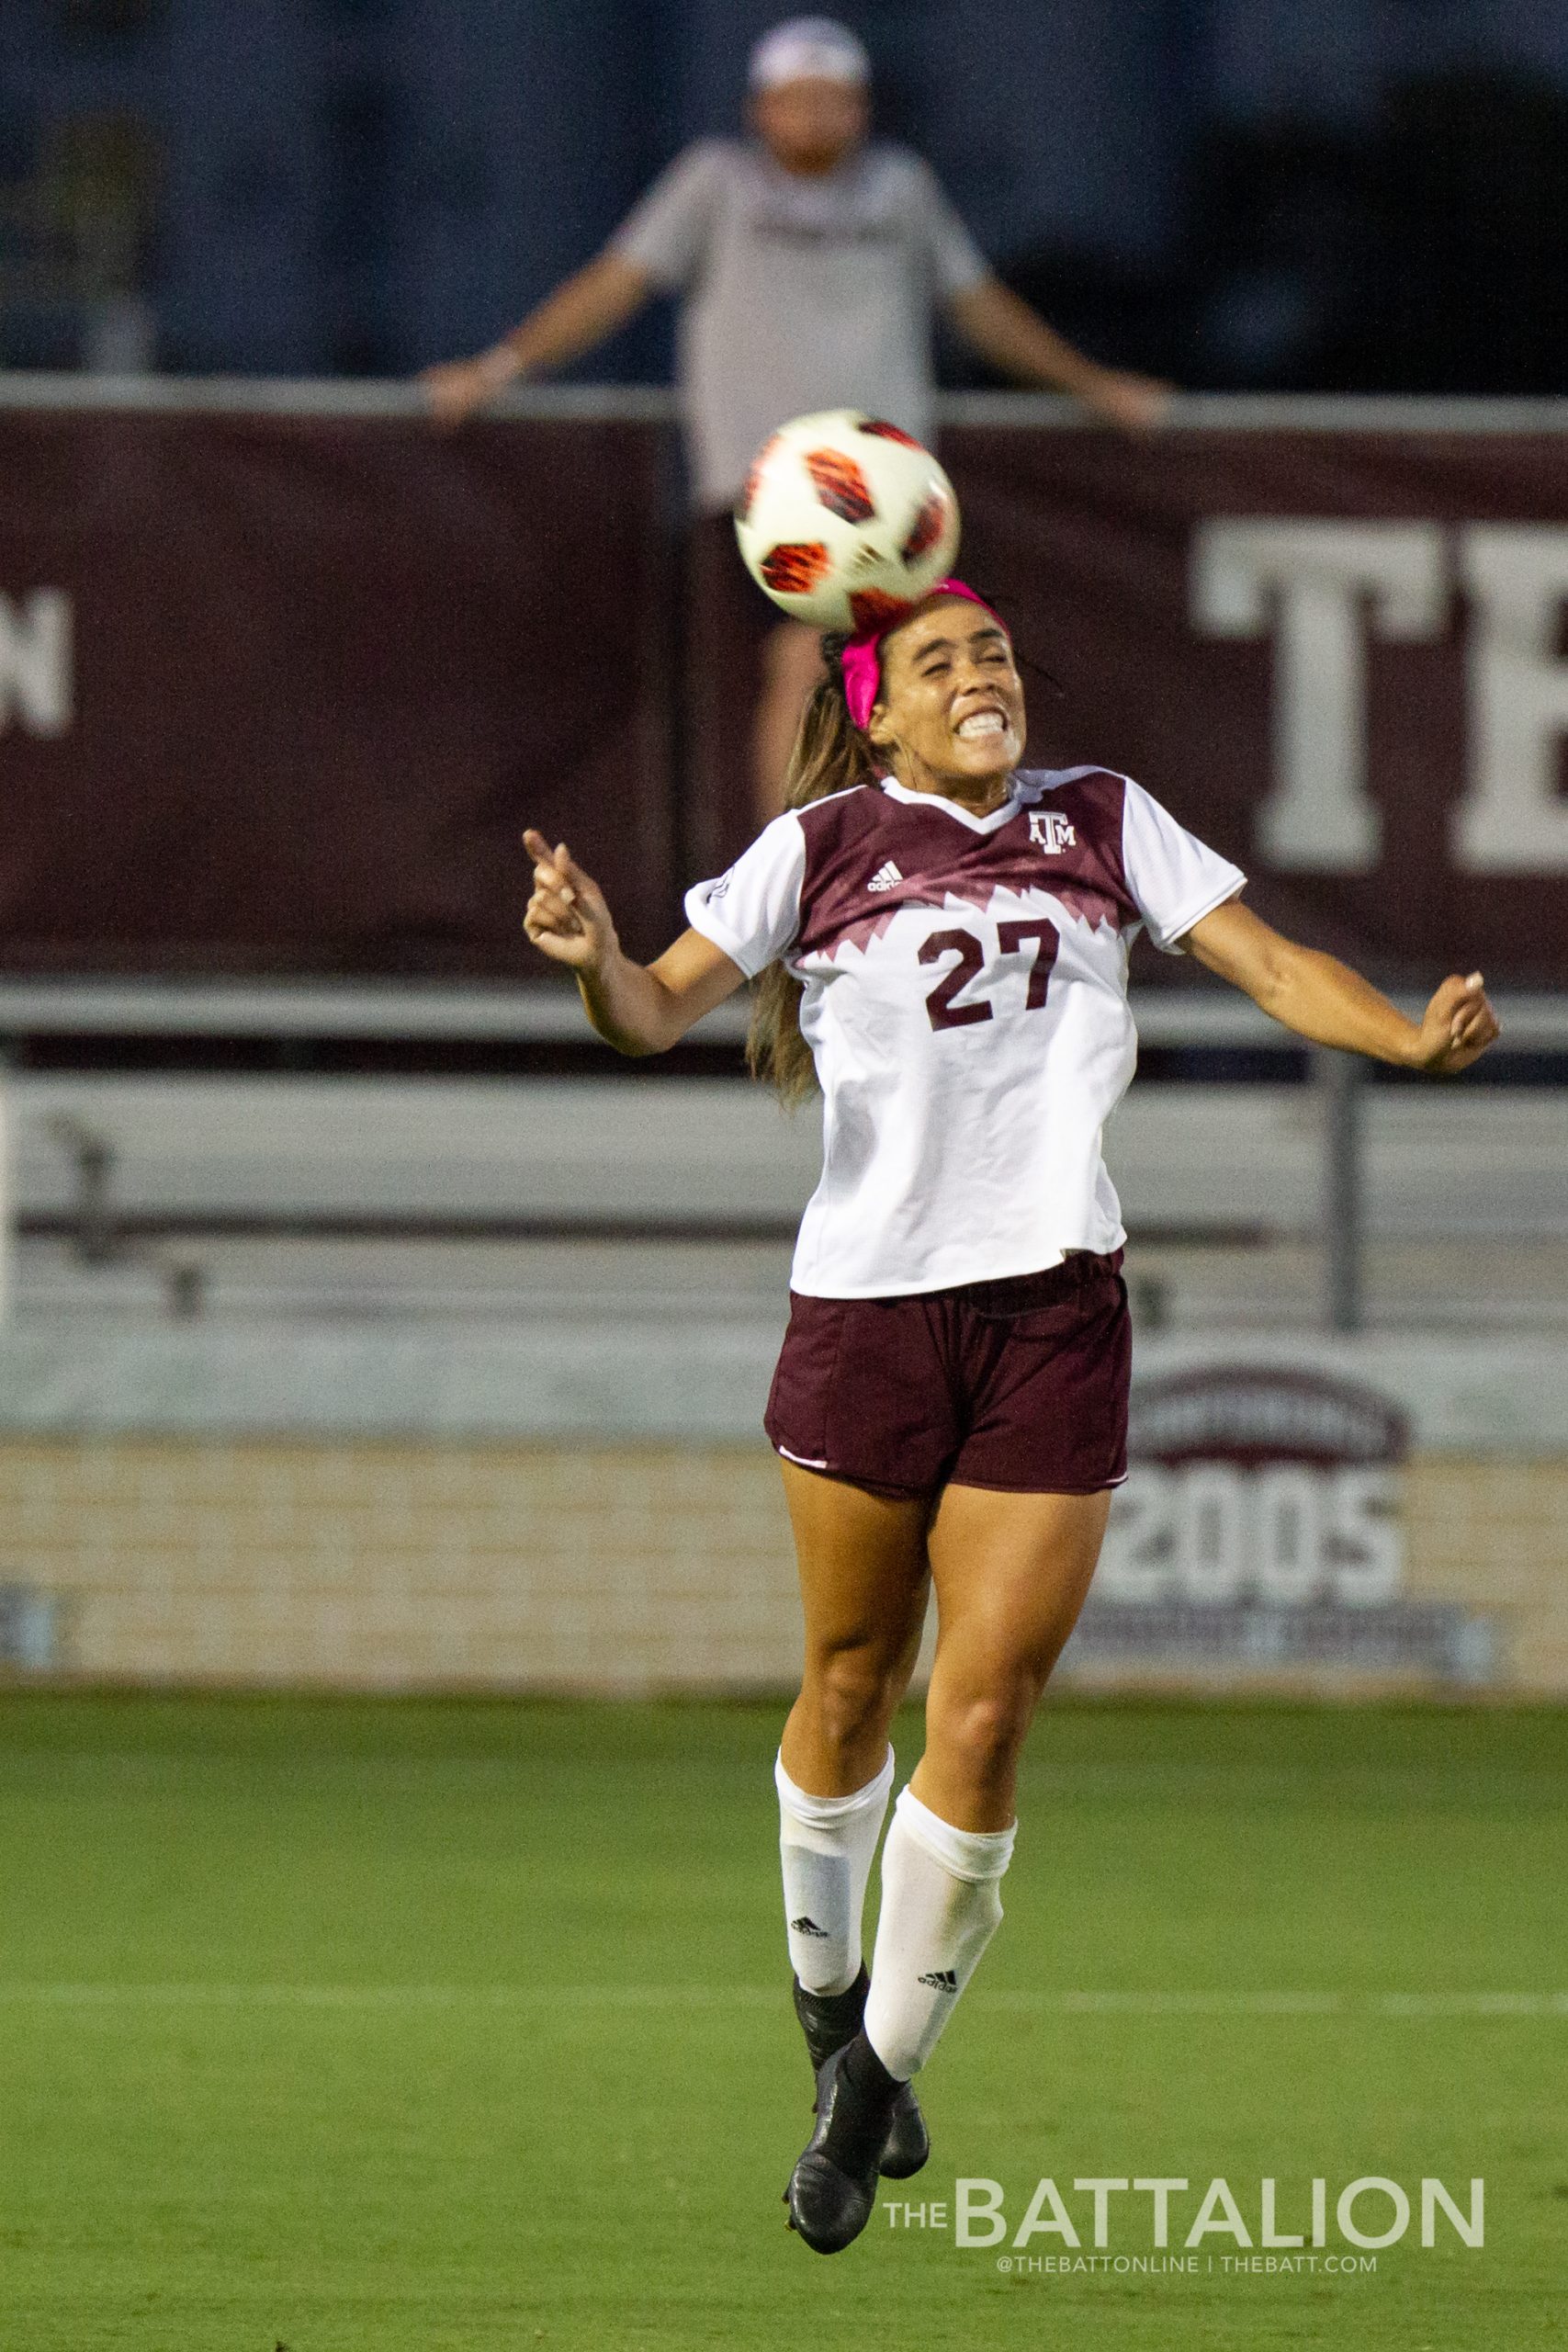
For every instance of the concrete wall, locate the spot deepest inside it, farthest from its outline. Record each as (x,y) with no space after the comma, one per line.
(593,1508)
(626,1568)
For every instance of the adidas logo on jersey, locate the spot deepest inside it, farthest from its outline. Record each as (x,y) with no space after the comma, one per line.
(805,1927)
(884,878)
(942,1979)
(1050,832)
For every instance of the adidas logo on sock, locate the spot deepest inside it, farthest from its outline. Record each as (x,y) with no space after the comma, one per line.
(884,878)
(942,1980)
(804,1927)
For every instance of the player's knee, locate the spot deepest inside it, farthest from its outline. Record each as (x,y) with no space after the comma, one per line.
(984,1730)
(853,1694)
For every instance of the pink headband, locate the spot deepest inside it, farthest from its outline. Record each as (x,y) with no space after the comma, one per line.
(861,658)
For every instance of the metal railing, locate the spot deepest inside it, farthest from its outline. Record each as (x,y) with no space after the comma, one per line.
(477,1011)
(655,404)
(1199,1020)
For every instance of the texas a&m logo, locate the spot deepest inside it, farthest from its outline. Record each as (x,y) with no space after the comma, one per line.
(1049,830)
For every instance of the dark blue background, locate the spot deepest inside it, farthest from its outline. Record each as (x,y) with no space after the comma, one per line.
(1218,187)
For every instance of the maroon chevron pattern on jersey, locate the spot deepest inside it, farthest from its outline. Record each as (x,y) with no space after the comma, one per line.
(943,863)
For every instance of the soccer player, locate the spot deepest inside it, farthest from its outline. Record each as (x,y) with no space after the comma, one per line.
(942,936)
(807,262)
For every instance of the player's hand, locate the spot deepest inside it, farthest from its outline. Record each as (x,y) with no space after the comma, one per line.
(567,918)
(1135,404)
(458,387)
(1456,1028)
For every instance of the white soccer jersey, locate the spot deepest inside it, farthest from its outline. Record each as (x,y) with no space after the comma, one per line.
(965,1001)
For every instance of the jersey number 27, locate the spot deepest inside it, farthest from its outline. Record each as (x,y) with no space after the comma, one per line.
(1011,937)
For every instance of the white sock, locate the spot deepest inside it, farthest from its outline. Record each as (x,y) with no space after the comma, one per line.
(827,1846)
(940,1907)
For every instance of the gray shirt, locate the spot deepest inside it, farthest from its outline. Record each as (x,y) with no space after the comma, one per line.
(798,293)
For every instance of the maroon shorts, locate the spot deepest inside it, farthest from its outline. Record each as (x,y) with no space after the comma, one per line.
(1019,1385)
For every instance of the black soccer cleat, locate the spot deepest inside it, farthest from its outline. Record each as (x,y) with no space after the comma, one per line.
(833,2190)
(908,2144)
(831,2020)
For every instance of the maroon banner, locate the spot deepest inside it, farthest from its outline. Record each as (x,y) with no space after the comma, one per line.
(278,694)
(1338,657)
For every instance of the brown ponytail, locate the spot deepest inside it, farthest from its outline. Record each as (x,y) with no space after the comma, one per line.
(830,755)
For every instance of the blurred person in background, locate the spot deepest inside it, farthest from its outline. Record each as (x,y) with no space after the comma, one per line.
(809,260)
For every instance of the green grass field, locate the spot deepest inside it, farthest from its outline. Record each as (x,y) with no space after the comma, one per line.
(359,2027)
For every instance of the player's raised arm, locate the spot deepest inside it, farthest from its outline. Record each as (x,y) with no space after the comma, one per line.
(637,1007)
(1322,998)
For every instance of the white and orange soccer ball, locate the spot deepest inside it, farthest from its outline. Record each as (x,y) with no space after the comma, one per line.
(845,521)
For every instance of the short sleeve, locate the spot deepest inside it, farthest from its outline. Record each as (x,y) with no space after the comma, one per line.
(1174,878)
(956,261)
(753,912)
(666,234)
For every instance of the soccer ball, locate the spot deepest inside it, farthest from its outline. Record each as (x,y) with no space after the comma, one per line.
(846,522)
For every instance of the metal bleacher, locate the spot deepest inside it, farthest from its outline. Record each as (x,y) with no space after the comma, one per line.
(157,1191)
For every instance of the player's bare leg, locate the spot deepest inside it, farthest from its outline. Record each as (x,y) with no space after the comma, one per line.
(864,1586)
(1010,1573)
(865,1581)
(792,663)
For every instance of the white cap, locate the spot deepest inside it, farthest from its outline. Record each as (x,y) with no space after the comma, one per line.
(808,48)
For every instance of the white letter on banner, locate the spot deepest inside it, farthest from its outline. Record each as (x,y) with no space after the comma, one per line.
(34,661)
(1513,820)
(1313,580)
